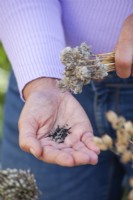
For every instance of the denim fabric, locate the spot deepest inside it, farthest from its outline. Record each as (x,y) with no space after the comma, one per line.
(99,182)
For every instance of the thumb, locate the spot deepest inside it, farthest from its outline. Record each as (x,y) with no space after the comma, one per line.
(28,136)
(124,49)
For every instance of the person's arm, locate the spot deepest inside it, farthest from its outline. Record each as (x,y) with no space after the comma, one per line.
(32,34)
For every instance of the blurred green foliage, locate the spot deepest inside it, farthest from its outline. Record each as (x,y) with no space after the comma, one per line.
(4,62)
(4,72)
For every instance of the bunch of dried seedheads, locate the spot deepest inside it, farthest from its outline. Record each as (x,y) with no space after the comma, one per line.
(81,66)
(122,145)
(18,185)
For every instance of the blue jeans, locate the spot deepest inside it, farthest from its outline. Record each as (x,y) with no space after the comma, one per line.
(99,182)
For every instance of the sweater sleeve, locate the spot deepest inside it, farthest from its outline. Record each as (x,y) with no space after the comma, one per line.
(32,34)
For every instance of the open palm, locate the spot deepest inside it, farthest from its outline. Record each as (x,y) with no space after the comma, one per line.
(43,112)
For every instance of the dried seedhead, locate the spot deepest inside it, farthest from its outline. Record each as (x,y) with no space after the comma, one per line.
(81,66)
(18,185)
(122,145)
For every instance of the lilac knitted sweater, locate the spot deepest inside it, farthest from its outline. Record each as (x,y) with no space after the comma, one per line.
(34,32)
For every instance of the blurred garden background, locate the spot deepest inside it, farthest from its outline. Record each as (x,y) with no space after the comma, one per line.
(4,73)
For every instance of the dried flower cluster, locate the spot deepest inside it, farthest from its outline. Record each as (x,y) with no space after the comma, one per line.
(59,134)
(80,67)
(18,185)
(122,145)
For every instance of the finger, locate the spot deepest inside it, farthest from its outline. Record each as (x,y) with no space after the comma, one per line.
(52,155)
(76,134)
(88,141)
(82,158)
(80,146)
(68,157)
(83,155)
(71,140)
(124,50)
(123,59)
(27,137)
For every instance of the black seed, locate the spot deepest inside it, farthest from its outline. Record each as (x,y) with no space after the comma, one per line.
(59,134)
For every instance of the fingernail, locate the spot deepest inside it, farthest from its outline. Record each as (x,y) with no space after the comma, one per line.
(33,152)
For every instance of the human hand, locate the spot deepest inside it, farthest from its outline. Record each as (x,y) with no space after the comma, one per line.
(124,50)
(47,107)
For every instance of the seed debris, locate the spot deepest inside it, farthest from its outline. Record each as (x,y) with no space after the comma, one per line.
(60,133)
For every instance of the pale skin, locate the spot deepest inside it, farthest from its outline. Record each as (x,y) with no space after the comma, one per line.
(46,107)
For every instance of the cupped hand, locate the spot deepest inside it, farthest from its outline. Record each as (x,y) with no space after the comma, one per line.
(44,110)
(124,50)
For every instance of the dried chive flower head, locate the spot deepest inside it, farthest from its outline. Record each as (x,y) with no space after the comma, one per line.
(111,116)
(18,185)
(104,143)
(99,142)
(128,126)
(122,145)
(107,140)
(81,66)
(59,134)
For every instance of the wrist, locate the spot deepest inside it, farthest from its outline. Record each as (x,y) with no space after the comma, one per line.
(39,85)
